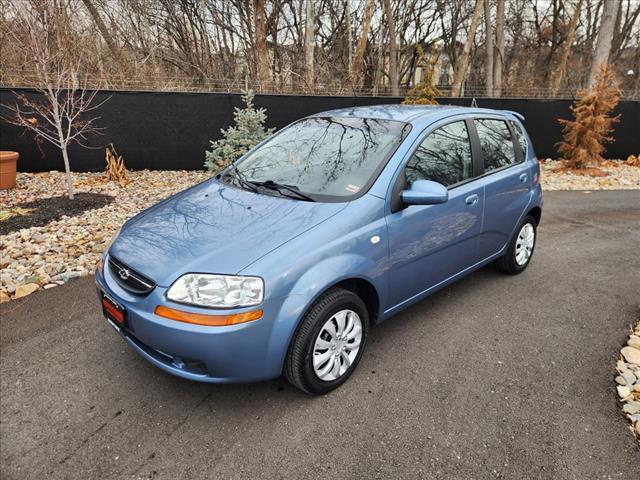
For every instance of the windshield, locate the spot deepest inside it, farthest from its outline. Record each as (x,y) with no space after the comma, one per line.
(325,157)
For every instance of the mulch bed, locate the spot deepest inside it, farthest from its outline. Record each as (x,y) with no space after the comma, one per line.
(46,210)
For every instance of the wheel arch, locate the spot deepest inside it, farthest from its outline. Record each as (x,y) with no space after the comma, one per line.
(536,213)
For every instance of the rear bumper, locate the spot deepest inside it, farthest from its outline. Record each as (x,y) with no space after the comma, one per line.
(245,352)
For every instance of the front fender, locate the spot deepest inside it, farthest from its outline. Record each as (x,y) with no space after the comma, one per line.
(311,285)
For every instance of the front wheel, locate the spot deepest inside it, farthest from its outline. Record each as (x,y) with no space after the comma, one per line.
(520,249)
(328,343)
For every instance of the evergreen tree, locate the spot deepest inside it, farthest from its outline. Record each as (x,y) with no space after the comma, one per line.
(586,135)
(236,140)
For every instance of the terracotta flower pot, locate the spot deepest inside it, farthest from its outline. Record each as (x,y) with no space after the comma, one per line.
(8,162)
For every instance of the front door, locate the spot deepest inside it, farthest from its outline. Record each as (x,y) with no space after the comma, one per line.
(431,243)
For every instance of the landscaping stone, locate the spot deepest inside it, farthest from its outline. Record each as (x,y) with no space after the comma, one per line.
(631,407)
(621,177)
(631,355)
(628,380)
(623,391)
(24,290)
(70,246)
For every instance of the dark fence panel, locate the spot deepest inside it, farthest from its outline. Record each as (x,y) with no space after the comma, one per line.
(172,130)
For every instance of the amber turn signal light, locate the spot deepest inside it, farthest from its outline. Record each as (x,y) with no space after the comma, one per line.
(209,320)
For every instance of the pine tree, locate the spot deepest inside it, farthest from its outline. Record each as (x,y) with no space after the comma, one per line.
(425,92)
(586,135)
(238,139)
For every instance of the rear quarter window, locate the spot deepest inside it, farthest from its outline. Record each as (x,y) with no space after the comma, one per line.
(520,137)
(496,142)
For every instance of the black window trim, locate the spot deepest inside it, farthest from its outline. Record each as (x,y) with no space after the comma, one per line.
(399,180)
(520,158)
(471,141)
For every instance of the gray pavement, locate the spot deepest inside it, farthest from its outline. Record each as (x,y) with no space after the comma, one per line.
(493,377)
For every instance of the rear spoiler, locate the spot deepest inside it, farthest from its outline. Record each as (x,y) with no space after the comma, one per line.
(515,114)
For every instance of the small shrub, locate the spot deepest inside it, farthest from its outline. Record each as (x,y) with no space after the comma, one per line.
(585,136)
(115,171)
(633,161)
(236,140)
(425,92)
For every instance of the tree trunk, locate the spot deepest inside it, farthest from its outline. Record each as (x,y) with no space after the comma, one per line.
(489,47)
(393,47)
(67,169)
(499,57)
(309,44)
(362,43)
(463,61)
(379,63)
(605,36)
(347,16)
(106,35)
(566,52)
(261,52)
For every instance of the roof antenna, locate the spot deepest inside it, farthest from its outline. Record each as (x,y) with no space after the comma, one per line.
(474,104)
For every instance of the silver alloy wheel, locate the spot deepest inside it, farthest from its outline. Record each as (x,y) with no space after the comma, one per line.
(337,345)
(524,244)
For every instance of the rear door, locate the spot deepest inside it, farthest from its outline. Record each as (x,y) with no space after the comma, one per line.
(507,181)
(430,243)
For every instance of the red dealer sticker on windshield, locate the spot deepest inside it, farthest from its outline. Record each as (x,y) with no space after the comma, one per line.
(352,188)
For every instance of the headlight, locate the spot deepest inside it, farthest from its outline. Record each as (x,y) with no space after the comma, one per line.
(217,290)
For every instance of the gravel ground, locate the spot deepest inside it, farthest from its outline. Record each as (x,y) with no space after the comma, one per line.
(43,257)
(621,177)
(50,255)
(628,379)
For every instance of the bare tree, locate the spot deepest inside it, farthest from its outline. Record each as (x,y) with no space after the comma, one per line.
(261,51)
(309,43)
(66,114)
(362,42)
(566,51)
(488,32)
(463,61)
(393,47)
(605,37)
(498,63)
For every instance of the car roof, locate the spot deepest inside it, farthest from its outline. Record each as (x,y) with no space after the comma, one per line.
(407,113)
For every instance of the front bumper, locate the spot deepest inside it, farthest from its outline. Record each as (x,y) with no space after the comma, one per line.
(245,352)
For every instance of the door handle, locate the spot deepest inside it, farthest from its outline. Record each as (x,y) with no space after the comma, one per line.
(471,199)
(524,177)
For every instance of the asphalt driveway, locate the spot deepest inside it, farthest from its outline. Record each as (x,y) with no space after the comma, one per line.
(494,377)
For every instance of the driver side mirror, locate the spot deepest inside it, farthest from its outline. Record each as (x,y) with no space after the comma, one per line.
(425,192)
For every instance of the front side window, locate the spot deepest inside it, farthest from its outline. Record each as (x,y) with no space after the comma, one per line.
(496,143)
(443,157)
(325,157)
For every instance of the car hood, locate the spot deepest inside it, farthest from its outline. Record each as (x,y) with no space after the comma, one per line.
(213,228)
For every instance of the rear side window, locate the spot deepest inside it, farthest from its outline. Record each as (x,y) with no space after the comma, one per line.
(443,157)
(496,143)
(522,140)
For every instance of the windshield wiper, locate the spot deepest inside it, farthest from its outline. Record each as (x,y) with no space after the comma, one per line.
(282,188)
(242,182)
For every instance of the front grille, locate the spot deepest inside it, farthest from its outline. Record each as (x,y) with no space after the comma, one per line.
(129,279)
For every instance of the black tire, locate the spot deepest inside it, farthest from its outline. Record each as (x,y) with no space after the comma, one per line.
(507,263)
(298,365)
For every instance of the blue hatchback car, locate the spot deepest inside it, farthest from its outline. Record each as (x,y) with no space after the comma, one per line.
(283,261)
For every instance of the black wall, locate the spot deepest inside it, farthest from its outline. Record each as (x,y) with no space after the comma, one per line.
(172,130)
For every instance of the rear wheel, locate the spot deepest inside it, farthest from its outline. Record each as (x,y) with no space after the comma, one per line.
(329,342)
(521,248)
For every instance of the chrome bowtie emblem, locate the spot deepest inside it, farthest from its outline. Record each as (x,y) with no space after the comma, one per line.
(124,273)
